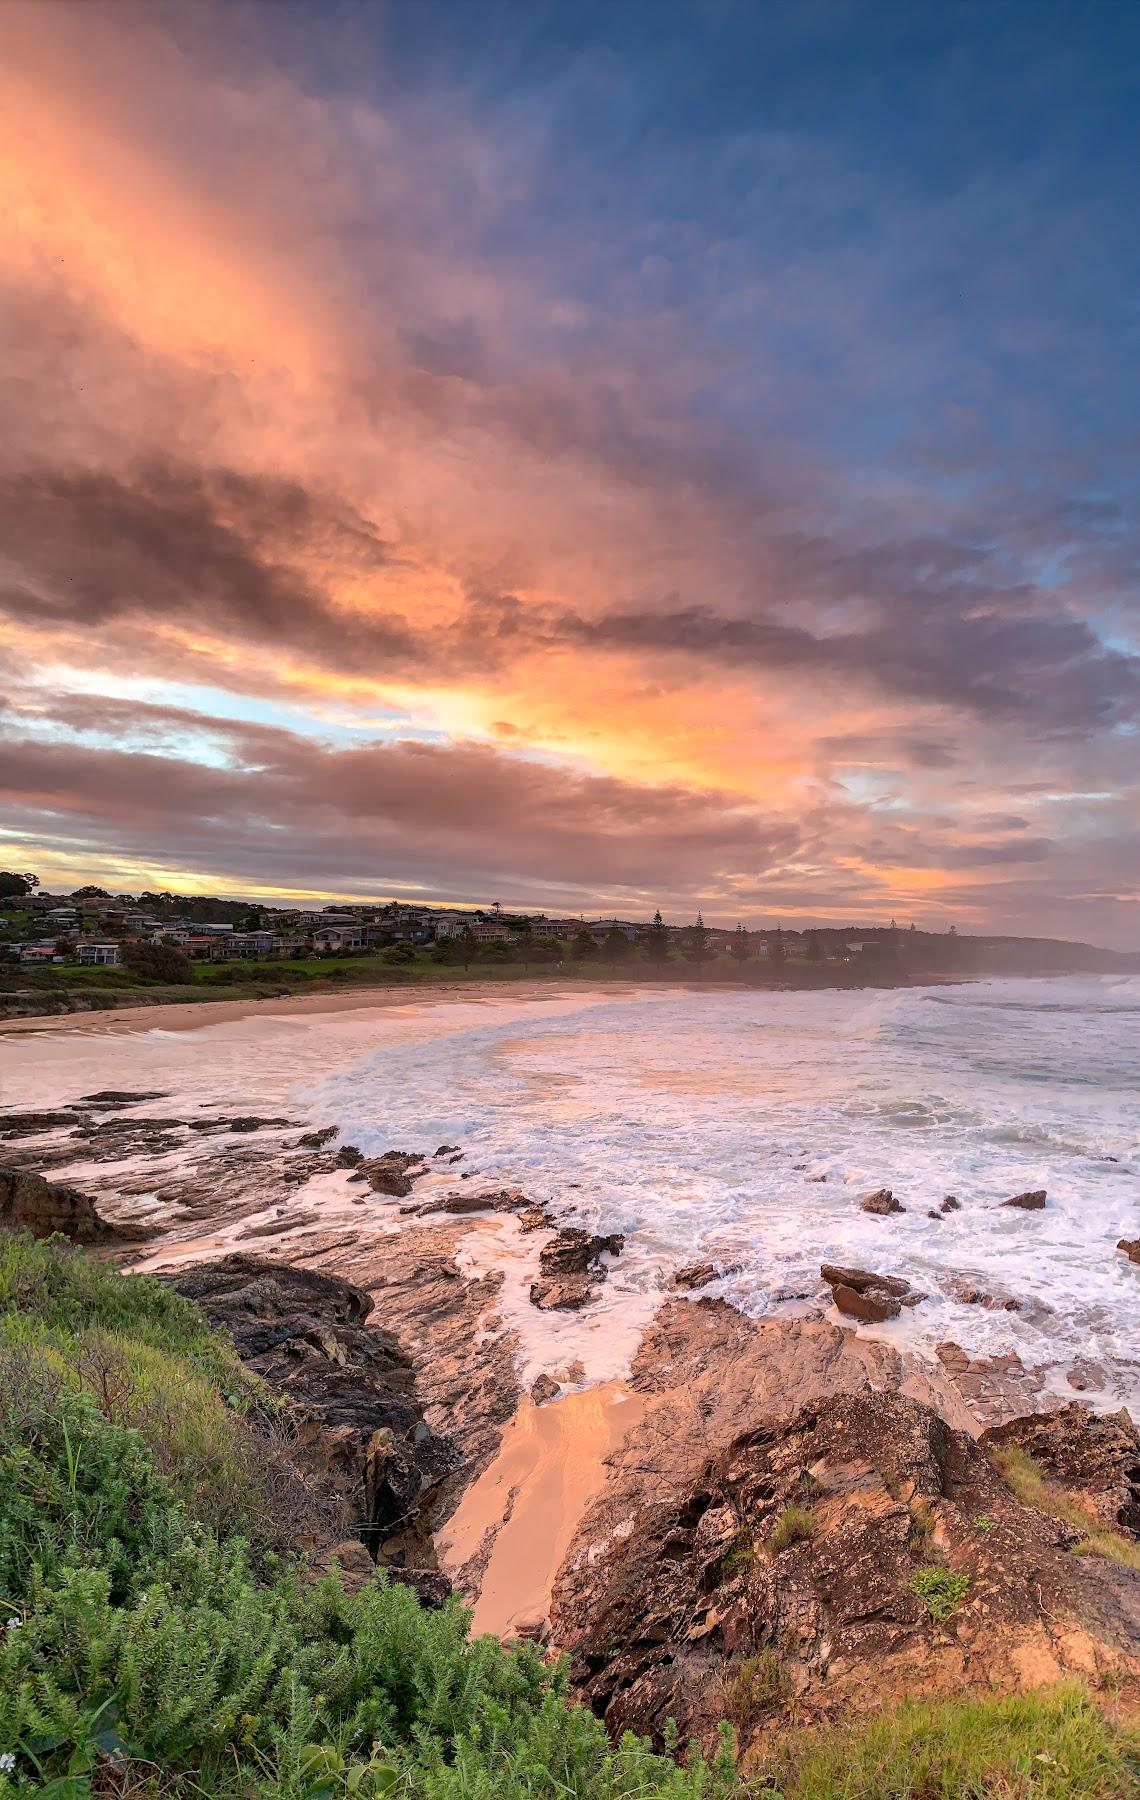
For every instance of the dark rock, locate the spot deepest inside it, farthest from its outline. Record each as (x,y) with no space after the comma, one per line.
(448,1150)
(32,1124)
(544,1388)
(970,1294)
(390,1174)
(882,1202)
(349,1157)
(350,1384)
(251,1122)
(316,1140)
(950,1203)
(1031,1201)
(29,1203)
(571,1268)
(432,1588)
(1096,1457)
(695,1275)
(565,1293)
(573,1252)
(107,1097)
(1131,1248)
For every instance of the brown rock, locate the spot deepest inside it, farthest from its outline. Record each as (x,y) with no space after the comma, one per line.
(1032,1201)
(695,1275)
(970,1294)
(316,1140)
(1131,1248)
(566,1293)
(349,1157)
(882,1202)
(544,1388)
(29,1203)
(672,1591)
(1097,1457)
(870,1305)
(950,1203)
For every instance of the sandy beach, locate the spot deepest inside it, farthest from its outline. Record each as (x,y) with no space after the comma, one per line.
(193,1016)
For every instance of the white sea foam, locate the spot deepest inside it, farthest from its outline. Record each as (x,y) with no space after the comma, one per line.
(700,1123)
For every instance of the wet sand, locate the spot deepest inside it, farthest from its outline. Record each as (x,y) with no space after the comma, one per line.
(549,1467)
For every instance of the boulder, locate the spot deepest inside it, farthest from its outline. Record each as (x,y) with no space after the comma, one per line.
(544,1388)
(30,1203)
(970,1294)
(683,1596)
(1031,1201)
(349,1157)
(350,1386)
(561,1293)
(870,1298)
(1131,1248)
(882,1202)
(950,1203)
(870,1305)
(695,1275)
(316,1140)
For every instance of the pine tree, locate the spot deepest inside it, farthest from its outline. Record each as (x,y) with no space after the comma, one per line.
(657,943)
(740,947)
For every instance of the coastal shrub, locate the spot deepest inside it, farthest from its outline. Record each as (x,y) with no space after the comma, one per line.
(1027,1481)
(795,1525)
(940,1589)
(147,1648)
(1055,1745)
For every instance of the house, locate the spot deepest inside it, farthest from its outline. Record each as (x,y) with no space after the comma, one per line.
(489,931)
(104,956)
(39,953)
(337,938)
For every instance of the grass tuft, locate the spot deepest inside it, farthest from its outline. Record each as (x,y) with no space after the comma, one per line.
(1053,1745)
(795,1525)
(1028,1482)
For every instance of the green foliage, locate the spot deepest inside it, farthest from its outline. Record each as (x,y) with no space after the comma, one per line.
(157,962)
(940,1589)
(760,1683)
(795,1525)
(148,1648)
(1045,1746)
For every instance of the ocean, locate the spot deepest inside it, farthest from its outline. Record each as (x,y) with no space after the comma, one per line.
(734,1126)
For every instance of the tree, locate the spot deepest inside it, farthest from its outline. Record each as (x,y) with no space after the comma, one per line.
(616,946)
(776,951)
(740,946)
(814,947)
(583,946)
(467,945)
(17,887)
(697,945)
(157,962)
(657,943)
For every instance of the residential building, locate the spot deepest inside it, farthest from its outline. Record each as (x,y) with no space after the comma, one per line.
(104,956)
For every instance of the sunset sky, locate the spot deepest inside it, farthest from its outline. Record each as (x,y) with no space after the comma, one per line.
(586,455)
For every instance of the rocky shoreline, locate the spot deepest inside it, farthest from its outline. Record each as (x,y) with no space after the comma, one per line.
(678,1595)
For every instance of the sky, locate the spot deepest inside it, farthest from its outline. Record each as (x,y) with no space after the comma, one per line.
(594,456)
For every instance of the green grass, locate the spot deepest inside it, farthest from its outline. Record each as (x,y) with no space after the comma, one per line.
(1055,1745)
(1028,1482)
(795,1525)
(940,1589)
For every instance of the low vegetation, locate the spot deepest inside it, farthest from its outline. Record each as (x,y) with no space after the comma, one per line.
(159,1638)
(940,1589)
(1050,1746)
(795,1525)
(1026,1479)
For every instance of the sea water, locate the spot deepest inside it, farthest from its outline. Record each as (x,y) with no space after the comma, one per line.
(736,1126)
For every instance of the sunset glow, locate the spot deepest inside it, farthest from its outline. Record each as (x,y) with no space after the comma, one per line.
(458,452)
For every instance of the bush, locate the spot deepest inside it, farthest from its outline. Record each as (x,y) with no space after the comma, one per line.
(156,962)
